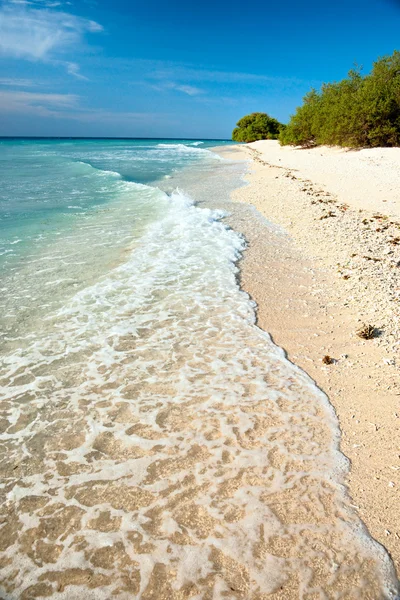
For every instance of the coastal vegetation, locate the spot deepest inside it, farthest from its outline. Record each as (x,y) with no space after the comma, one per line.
(359,111)
(257,126)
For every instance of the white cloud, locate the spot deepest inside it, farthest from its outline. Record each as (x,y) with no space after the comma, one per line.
(42,34)
(74,69)
(202,82)
(13,82)
(46,3)
(109,116)
(198,74)
(12,101)
(64,106)
(160,72)
(190,90)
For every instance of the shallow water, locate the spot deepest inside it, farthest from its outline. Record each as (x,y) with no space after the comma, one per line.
(155,442)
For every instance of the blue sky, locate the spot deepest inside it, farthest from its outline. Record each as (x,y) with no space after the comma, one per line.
(157,68)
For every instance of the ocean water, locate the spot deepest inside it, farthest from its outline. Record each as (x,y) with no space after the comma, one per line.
(68,209)
(154,442)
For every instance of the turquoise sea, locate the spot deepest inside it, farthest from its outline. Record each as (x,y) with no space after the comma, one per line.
(154,442)
(68,209)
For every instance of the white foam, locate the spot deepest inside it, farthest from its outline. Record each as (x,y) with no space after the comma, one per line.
(189,149)
(154,375)
(167,341)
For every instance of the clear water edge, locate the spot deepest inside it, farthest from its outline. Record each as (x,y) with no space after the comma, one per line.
(168,260)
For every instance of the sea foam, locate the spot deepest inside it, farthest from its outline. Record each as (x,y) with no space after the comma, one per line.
(157,442)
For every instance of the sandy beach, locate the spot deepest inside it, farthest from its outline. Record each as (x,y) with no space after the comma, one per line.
(330,265)
(199,327)
(155,442)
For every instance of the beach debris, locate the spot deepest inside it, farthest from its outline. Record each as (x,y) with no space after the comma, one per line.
(328,360)
(327,215)
(372,258)
(389,361)
(395,241)
(367,332)
(374,425)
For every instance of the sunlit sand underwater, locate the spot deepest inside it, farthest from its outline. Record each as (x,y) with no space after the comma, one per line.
(155,443)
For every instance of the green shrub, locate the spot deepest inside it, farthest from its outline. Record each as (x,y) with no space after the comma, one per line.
(359,111)
(300,129)
(257,126)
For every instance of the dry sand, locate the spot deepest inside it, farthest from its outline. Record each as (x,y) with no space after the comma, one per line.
(368,179)
(333,266)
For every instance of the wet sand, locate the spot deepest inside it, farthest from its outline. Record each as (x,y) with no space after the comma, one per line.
(161,446)
(334,268)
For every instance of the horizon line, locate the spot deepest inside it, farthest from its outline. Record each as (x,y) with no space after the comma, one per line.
(62,137)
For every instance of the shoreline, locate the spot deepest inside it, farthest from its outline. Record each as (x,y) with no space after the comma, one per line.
(156,442)
(331,267)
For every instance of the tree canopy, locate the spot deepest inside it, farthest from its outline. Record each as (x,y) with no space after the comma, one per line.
(359,111)
(257,126)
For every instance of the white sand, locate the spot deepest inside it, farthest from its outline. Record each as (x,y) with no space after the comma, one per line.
(338,267)
(368,179)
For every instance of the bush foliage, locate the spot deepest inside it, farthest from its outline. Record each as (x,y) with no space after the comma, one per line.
(359,111)
(257,126)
